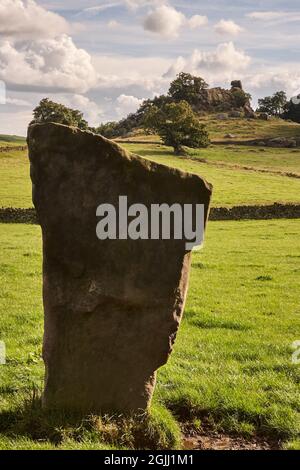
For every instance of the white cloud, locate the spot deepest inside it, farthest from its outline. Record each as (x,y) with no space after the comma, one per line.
(134,4)
(197,21)
(17,102)
(98,8)
(265,15)
(50,64)
(25,19)
(228,27)
(274,16)
(91,111)
(224,60)
(113,24)
(130,4)
(164,20)
(15,122)
(121,72)
(167,21)
(274,80)
(127,104)
(225,57)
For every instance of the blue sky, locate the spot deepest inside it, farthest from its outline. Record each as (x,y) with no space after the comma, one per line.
(105,56)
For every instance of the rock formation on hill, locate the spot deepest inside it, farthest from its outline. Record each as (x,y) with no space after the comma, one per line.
(112,307)
(213,100)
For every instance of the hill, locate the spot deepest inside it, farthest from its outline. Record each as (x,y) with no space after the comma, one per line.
(232,130)
(11,139)
(196,92)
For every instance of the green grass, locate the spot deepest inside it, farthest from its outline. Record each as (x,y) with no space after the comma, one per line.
(233,356)
(231,187)
(15,188)
(270,159)
(249,129)
(231,366)
(242,129)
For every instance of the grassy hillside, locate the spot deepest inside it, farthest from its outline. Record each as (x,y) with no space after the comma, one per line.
(242,129)
(231,369)
(11,139)
(270,159)
(248,129)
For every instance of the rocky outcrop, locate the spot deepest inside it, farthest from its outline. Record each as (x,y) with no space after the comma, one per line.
(279,142)
(216,100)
(237,84)
(112,307)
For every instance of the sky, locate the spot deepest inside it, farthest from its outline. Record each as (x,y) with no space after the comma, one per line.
(105,56)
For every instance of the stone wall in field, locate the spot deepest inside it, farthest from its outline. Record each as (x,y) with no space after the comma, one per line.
(273,211)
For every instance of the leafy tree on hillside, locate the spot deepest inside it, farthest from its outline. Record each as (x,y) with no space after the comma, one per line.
(292,110)
(273,105)
(49,111)
(187,87)
(177,125)
(158,102)
(132,121)
(108,129)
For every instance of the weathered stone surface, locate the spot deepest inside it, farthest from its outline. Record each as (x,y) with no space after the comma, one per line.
(282,142)
(248,112)
(112,308)
(237,84)
(220,100)
(236,114)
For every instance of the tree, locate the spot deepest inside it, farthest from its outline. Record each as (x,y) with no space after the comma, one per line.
(292,110)
(49,111)
(279,102)
(274,105)
(177,125)
(108,129)
(187,87)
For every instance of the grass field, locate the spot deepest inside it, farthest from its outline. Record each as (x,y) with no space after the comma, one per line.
(231,368)
(281,160)
(231,186)
(15,188)
(270,159)
(242,129)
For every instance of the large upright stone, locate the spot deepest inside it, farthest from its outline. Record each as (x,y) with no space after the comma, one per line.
(112,308)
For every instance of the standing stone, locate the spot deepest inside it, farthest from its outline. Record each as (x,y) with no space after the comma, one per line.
(112,308)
